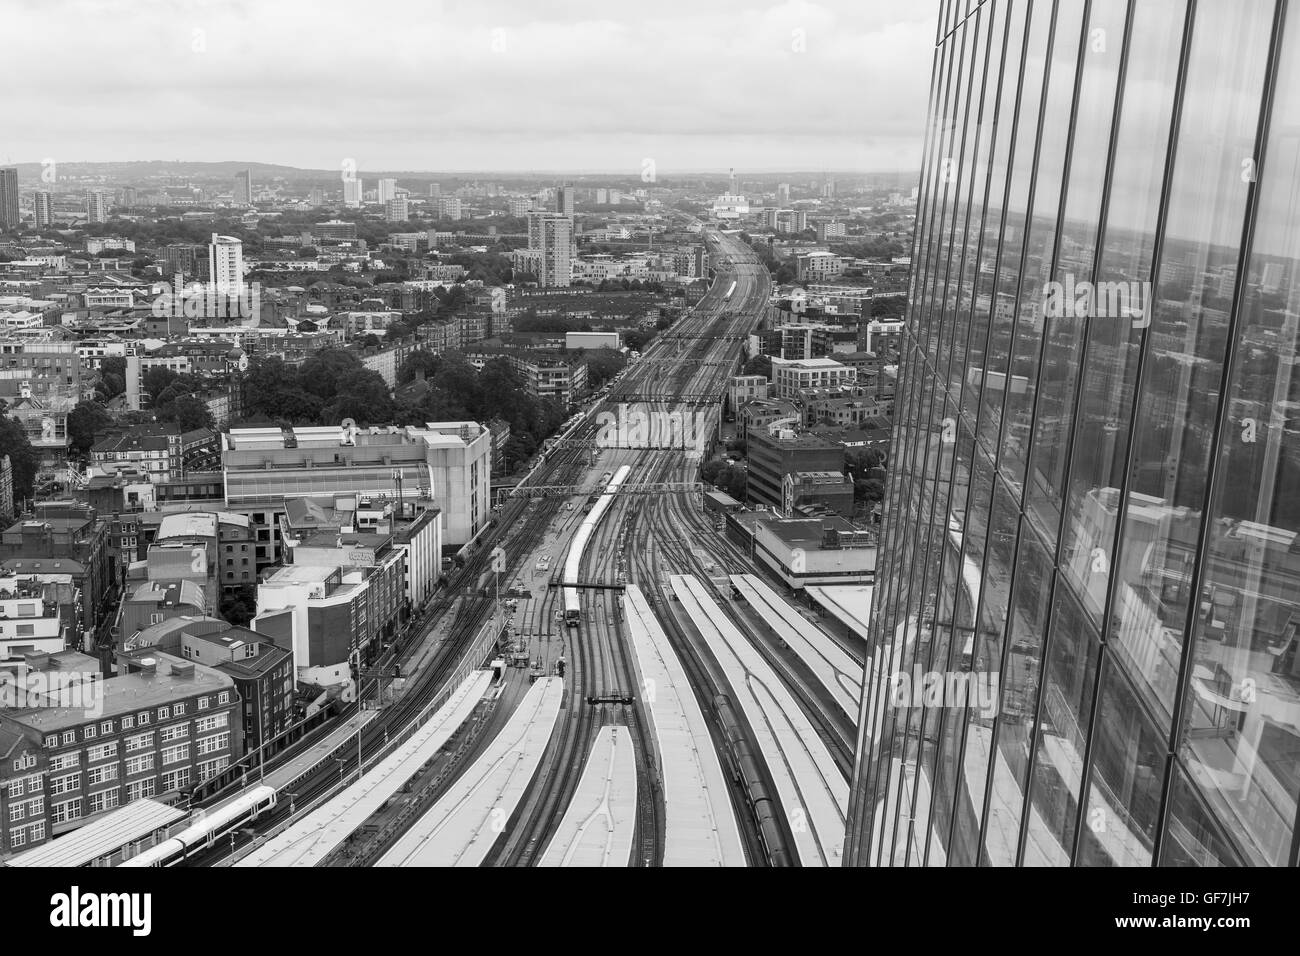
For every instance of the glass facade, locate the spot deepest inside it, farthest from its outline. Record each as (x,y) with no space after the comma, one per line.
(1092,546)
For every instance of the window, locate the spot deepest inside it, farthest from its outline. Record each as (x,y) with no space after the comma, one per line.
(174,732)
(140,789)
(164,713)
(89,732)
(37,831)
(203,703)
(139,764)
(212,767)
(51,741)
(35,784)
(176,779)
(68,810)
(15,789)
(99,775)
(102,752)
(128,722)
(178,753)
(17,811)
(206,724)
(143,718)
(26,630)
(178,710)
(69,736)
(139,742)
(223,697)
(65,784)
(214,743)
(106,727)
(64,761)
(104,800)
(18,836)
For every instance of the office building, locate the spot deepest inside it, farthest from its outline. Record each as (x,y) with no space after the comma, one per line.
(1091,511)
(226,264)
(385,189)
(551,236)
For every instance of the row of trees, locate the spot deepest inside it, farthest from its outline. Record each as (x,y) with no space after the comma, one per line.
(328,387)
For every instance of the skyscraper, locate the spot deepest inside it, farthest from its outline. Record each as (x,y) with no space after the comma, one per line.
(226,264)
(243,194)
(43,208)
(551,235)
(397,210)
(97,206)
(385,190)
(1092,517)
(9,214)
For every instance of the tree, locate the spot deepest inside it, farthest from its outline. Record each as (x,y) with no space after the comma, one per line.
(113,368)
(421,360)
(371,341)
(361,395)
(191,412)
(239,606)
(602,365)
(22,456)
(759,365)
(85,419)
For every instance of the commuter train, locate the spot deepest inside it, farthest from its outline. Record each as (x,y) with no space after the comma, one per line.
(205,830)
(750,776)
(730,292)
(573,563)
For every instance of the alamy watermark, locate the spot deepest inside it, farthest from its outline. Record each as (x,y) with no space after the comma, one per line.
(977,690)
(1130,301)
(627,426)
(208,300)
(70,689)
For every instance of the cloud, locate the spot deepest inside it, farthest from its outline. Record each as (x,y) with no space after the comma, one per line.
(491,84)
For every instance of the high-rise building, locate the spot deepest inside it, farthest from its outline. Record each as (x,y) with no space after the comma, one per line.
(226,264)
(783,194)
(316,197)
(9,210)
(564,200)
(551,235)
(385,190)
(352,193)
(1092,520)
(435,189)
(43,207)
(243,194)
(449,207)
(97,206)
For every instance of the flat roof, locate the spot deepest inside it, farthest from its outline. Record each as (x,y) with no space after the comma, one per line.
(849,603)
(103,836)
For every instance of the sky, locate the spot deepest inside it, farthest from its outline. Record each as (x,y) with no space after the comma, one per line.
(501,85)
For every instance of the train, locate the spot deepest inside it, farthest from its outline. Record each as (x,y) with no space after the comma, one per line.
(206,829)
(749,774)
(573,562)
(730,291)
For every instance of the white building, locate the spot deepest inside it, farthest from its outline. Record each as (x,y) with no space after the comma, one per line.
(791,376)
(352,193)
(28,623)
(397,209)
(385,190)
(226,264)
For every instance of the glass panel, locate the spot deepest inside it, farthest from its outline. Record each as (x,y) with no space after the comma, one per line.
(1109,368)
(1075,258)
(1241,718)
(996,190)
(1072,654)
(1179,400)
(1040,242)
(1019,699)
(1128,765)
(1015,216)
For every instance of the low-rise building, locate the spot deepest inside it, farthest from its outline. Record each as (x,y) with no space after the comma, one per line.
(792,377)
(773,457)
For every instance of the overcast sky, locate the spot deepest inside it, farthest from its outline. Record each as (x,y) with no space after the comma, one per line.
(471,84)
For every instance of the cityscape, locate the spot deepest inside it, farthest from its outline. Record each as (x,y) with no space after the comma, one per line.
(925,495)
